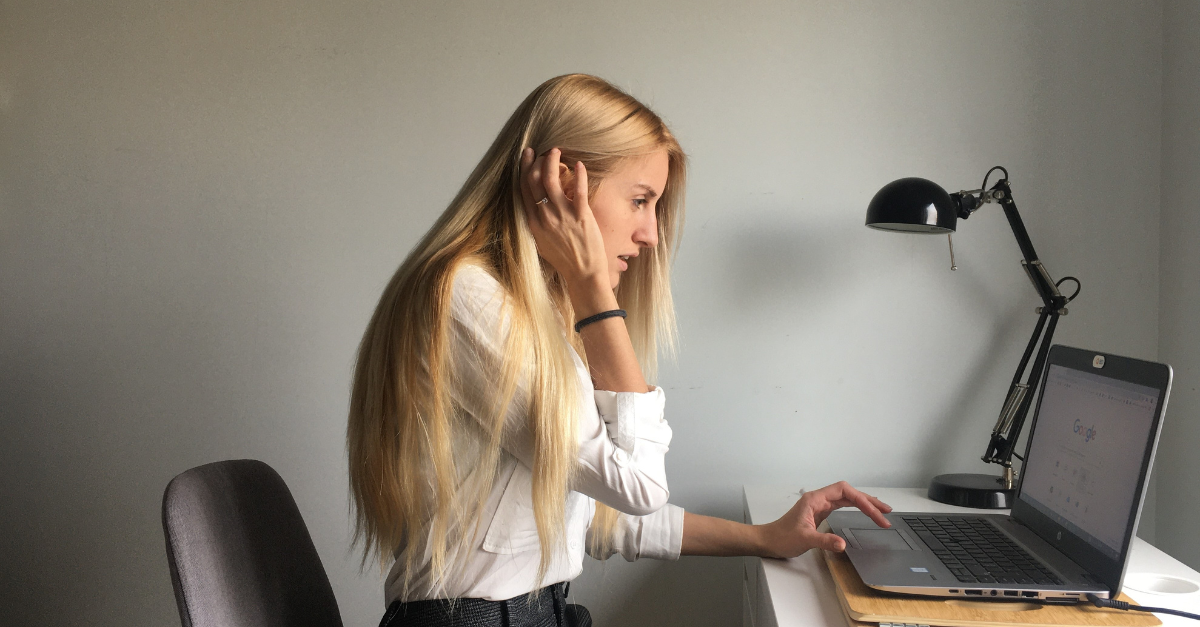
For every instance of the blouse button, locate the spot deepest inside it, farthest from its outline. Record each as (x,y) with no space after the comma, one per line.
(621,457)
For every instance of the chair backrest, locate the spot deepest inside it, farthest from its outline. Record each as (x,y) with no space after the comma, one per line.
(239,551)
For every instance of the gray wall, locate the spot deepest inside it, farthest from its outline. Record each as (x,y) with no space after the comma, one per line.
(200,203)
(1179,298)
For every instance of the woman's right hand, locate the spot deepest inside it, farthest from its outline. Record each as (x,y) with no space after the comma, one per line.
(563,226)
(798,530)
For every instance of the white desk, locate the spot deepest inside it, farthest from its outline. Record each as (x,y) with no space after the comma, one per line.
(799,593)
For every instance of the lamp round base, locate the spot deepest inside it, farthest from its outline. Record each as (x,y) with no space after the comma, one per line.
(971,490)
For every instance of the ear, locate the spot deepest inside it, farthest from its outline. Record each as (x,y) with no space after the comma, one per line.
(566,176)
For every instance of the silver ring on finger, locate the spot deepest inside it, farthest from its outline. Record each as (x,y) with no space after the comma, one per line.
(542,201)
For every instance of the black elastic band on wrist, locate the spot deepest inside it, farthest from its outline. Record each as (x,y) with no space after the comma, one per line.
(604,315)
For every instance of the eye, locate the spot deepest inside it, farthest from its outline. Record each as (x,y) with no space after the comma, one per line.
(639,202)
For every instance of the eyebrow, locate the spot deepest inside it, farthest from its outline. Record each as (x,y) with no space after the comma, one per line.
(649,190)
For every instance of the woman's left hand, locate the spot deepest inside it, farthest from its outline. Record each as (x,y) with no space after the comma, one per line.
(796,532)
(562,223)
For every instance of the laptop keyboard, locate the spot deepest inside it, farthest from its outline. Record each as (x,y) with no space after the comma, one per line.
(976,552)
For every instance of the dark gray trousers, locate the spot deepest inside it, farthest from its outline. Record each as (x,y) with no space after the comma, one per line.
(547,607)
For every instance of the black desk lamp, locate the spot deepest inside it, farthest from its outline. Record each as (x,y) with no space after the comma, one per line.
(915,205)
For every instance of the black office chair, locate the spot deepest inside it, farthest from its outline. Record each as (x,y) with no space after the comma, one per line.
(239,551)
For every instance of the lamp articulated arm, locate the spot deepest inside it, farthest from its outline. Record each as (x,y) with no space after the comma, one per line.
(1016,406)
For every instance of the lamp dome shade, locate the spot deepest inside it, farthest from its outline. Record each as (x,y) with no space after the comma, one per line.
(912,205)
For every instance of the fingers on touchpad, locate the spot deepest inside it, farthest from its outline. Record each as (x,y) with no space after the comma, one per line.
(888,539)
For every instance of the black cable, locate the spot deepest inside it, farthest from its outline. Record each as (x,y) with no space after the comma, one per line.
(989,174)
(1078,286)
(1018,456)
(1122,605)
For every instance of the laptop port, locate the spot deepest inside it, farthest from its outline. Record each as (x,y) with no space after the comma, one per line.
(1011,593)
(993,593)
(953,591)
(1030,594)
(977,592)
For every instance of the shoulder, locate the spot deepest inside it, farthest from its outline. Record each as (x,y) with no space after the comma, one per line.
(475,293)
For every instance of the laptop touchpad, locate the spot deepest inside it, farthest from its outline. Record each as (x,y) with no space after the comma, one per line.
(880,539)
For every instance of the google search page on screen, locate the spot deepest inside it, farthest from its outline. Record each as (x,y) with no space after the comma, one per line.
(1086,455)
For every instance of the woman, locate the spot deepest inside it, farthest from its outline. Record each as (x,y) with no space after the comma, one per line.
(500,422)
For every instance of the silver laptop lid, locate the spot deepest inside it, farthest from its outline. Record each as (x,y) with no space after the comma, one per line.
(1090,449)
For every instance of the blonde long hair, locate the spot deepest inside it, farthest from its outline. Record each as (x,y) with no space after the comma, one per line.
(404,476)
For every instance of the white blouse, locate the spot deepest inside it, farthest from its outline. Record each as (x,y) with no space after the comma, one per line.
(623,439)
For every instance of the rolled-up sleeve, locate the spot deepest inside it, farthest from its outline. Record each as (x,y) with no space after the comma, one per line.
(622,451)
(656,536)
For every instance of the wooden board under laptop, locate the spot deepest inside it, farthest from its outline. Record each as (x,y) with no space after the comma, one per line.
(863,606)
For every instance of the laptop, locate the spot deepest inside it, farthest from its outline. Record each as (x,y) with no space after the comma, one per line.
(1087,460)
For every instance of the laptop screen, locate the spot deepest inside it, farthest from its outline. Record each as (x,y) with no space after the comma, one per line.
(1085,459)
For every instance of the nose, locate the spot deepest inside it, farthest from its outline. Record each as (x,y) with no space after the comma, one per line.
(646,234)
